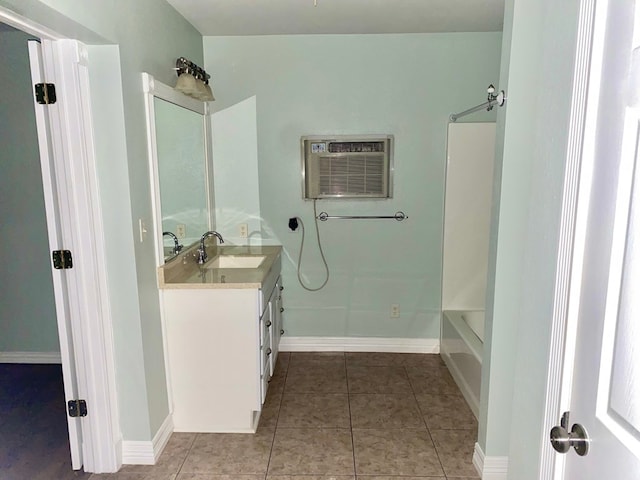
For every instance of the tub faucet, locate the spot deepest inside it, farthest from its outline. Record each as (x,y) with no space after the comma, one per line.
(201,253)
(176,244)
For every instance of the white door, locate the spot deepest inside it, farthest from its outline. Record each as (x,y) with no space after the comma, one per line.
(56,243)
(605,396)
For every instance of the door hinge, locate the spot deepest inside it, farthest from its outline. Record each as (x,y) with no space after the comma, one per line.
(62,259)
(45,93)
(77,408)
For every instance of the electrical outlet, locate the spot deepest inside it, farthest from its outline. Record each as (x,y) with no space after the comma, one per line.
(395,310)
(243,230)
(181,230)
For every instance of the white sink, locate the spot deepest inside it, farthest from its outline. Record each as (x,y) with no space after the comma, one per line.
(236,261)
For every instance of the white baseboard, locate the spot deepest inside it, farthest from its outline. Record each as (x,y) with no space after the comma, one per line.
(30,357)
(147,453)
(162,436)
(359,344)
(117,448)
(490,468)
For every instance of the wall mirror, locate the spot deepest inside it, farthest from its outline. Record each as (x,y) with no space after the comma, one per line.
(178,130)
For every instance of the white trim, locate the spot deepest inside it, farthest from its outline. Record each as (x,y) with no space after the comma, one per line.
(150,86)
(148,453)
(490,468)
(137,453)
(359,344)
(48,124)
(30,357)
(88,293)
(82,303)
(156,88)
(23,23)
(162,436)
(478,458)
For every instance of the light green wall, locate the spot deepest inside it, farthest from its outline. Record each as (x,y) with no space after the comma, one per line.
(104,68)
(537,71)
(554,38)
(506,254)
(27,313)
(237,190)
(149,35)
(405,85)
(493,231)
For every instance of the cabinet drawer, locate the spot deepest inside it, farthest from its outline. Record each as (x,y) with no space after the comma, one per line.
(264,383)
(265,353)
(269,284)
(266,324)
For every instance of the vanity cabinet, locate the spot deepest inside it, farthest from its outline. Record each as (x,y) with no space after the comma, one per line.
(277,329)
(271,331)
(222,347)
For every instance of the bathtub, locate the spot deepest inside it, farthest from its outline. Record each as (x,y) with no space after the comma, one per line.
(461,346)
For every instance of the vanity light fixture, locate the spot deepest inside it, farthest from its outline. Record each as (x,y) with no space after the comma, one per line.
(193,80)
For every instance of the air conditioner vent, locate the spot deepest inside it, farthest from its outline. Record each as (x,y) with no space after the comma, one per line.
(347,167)
(351,147)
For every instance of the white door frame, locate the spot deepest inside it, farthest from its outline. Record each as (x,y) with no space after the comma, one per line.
(77,198)
(575,206)
(55,238)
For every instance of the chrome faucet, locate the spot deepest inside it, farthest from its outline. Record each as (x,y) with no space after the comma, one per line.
(201,253)
(176,244)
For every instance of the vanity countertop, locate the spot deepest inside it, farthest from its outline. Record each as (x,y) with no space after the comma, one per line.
(183,272)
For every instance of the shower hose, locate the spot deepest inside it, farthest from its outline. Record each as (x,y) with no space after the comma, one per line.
(324,260)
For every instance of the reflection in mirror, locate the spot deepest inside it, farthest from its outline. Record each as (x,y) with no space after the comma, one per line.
(182,174)
(181,183)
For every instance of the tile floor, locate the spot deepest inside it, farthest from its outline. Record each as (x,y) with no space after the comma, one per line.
(368,415)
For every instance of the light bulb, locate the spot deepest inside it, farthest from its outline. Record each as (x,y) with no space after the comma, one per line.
(209,96)
(186,84)
(201,91)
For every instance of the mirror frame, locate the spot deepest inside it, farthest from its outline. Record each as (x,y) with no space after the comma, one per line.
(155,89)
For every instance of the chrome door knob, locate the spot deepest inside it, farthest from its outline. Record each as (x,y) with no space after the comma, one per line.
(559,438)
(562,440)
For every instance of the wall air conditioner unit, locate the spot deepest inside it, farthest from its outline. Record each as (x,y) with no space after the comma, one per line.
(347,166)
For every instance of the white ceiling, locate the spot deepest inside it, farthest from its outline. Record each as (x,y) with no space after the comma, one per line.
(274,17)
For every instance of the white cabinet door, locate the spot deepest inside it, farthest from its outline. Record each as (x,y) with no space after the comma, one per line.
(270,324)
(215,358)
(276,328)
(265,350)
